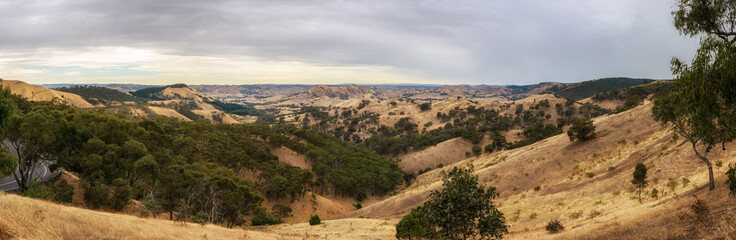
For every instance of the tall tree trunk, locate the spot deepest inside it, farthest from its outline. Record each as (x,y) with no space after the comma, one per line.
(712,182)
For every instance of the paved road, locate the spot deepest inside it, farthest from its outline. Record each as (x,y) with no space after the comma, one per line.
(9,184)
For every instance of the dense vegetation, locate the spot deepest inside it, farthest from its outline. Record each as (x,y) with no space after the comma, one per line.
(190,168)
(582,90)
(103,95)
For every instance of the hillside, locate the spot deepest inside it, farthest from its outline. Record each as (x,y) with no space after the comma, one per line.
(586,184)
(586,89)
(24,218)
(100,95)
(36,93)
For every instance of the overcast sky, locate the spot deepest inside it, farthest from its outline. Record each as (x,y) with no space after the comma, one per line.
(303,41)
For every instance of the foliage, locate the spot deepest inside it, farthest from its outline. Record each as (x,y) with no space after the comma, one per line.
(200,218)
(463,209)
(37,191)
(281,211)
(713,17)
(425,106)
(581,129)
(261,217)
(314,220)
(554,226)
(731,181)
(96,195)
(701,106)
(640,178)
(62,192)
(476,150)
(582,90)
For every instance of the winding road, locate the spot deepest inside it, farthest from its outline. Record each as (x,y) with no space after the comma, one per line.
(8,184)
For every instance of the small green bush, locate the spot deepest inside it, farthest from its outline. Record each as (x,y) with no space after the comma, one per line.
(314,220)
(37,191)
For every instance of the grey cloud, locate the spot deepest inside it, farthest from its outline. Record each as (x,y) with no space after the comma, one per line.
(492,42)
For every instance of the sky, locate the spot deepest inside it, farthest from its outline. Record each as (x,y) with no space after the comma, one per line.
(495,42)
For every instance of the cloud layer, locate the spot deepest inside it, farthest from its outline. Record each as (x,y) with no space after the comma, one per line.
(321,41)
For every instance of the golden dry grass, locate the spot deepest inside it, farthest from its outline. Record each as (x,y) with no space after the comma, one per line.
(24,218)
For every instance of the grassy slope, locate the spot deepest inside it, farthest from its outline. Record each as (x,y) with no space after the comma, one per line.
(24,218)
(603,200)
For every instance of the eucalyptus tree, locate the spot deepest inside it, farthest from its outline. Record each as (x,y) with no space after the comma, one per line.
(702,107)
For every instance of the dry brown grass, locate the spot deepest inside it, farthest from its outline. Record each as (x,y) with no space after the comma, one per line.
(24,218)
(585,184)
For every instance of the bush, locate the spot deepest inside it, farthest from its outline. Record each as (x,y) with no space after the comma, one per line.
(731,182)
(62,192)
(122,194)
(96,195)
(554,226)
(477,150)
(358,205)
(261,217)
(281,211)
(581,129)
(200,218)
(425,106)
(314,220)
(37,191)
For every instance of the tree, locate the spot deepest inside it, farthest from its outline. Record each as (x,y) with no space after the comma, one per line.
(62,192)
(702,105)
(711,17)
(32,136)
(462,209)
(640,178)
(425,106)
(8,162)
(96,195)
(581,129)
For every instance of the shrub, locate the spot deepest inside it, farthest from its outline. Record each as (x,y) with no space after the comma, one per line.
(476,150)
(701,210)
(358,205)
(62,192)
(261,217)
(554,226)
(425,106)
(200,218)
(581,129)
(654,194)
(576,215)
(281,211)
(122,194)
(314,220)
(96,195)
(537,188)
(37,191)
(731,182)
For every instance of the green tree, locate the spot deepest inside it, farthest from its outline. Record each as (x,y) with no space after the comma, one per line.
(581,129)
(62,192)
(425,106)
(640,178)
(702,105)
(8,162)
(32,136)
(711,17)
(462,209)
(96,195)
